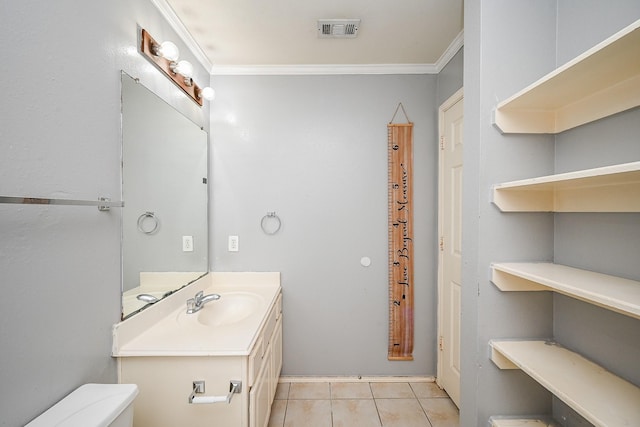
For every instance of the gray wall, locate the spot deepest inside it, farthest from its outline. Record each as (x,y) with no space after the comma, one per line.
(509,45)
(314,150)
(450,78)
(60,266)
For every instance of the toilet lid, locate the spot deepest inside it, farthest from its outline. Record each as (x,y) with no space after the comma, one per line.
(87,406)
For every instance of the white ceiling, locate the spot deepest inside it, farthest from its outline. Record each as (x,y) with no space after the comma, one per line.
(246,36)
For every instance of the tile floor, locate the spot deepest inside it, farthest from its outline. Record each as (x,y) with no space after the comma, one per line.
(362,404)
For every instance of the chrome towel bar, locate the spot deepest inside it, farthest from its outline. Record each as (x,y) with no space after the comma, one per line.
(103,203)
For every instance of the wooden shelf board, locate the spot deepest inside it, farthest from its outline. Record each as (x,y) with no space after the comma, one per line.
(522,422)
(610,292)
(602,81)
(598,395)
(606,189)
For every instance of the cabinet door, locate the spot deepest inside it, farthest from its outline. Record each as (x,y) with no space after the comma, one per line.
(276,358)
(166,382)
(259,401)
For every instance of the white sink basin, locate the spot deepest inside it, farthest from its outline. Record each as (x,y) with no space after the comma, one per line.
(232,307)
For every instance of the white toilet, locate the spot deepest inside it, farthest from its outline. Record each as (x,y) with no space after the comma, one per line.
(92,405)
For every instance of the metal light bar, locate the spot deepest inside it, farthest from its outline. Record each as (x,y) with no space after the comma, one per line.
(189,87)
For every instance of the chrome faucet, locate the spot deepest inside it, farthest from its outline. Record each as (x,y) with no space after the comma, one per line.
(196,303)
(149,299)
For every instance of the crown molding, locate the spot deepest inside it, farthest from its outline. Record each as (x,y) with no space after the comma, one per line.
(448,54)
(168,13)
(324,69)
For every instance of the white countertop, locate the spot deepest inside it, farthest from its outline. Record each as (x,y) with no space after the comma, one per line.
(166,330)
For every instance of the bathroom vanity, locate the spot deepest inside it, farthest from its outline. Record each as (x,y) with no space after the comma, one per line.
(234,340)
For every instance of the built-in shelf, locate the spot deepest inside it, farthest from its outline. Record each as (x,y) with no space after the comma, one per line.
(606,189)
(603,81)
(601,397)
(610,292)
(522,422)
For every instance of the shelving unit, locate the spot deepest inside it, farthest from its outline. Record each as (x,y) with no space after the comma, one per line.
(606,189)
(599,396)
(603,81)
(610,292)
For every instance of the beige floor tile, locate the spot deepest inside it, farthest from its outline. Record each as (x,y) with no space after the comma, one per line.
(427,390)
(395,405)
(392,391)
(282,391)
(309,391)
(308,413)
(354,413)
(351,391)
(278,410)
(401,413)
(441,412)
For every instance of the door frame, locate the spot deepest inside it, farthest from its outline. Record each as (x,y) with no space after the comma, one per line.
(446,105)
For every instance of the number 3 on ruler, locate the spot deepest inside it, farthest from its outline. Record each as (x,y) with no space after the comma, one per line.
(400,229)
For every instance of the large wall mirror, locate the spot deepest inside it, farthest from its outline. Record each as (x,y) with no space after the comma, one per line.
(164,186)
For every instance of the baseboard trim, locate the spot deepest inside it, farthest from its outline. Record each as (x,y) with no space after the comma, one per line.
(356,378)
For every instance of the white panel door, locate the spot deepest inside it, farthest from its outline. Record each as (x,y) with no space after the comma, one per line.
(450,259)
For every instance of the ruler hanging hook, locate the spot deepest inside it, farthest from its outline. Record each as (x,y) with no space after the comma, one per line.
(400,106)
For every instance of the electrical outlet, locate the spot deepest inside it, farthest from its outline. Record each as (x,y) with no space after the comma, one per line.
(187,243)
(233,243)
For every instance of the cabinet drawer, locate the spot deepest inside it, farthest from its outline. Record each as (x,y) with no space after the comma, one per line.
(274,315)
(270,326)
(279,306)
(255,360)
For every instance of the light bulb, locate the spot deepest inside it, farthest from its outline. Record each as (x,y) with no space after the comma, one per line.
(185,68)
(169,51)
(208,93)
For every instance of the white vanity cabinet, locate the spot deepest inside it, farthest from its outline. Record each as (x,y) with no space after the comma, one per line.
(165,361)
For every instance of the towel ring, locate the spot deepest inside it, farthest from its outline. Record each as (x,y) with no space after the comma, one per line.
(154,221)
(270,223)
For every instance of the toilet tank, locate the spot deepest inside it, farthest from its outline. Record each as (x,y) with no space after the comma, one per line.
(92,405)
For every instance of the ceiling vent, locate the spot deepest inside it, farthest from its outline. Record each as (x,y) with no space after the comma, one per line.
(338,28)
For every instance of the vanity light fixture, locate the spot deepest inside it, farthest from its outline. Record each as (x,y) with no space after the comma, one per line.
(167,50)
(165,57)
(207,93)
(182,67)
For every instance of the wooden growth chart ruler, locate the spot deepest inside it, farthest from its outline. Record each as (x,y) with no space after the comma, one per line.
(400,228)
